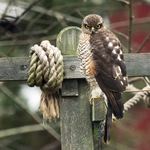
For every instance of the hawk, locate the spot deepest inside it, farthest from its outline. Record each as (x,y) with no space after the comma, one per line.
(102,63)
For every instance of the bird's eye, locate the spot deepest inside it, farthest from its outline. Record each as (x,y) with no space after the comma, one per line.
(87,26)
(98,26)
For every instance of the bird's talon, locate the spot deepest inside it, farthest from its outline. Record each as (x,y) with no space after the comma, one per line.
(99,96)
(91,100)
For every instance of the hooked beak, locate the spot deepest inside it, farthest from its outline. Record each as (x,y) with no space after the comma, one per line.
(93,30)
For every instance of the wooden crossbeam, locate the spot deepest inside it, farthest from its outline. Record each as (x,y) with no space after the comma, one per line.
(76,127)
(16,68)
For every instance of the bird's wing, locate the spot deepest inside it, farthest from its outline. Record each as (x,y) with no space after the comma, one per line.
(110,68)
(108,61)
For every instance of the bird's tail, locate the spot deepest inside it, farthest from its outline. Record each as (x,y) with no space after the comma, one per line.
(108,124)
(118,113)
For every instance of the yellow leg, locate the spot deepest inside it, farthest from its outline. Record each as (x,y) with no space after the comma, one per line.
(99,96)
(91,100)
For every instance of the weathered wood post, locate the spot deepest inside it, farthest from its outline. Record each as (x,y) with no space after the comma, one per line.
(76,127)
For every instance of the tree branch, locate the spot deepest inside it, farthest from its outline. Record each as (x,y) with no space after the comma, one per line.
(17,100)
(122,34)
(126,2)
(27,9)
(28,41)
(144,42)
(55,14)
(126,23)
(130,25)
(5,10)
(21,130)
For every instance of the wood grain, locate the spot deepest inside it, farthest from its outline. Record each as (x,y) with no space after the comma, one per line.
(68,39)
(13,68)
(99,110)
(76,127)
(138,64)
(69,88)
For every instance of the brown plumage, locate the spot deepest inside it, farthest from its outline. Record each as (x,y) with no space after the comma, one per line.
(102,63)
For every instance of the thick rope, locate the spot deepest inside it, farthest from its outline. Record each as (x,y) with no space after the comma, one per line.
(136,98)
(139,96)
(46,71)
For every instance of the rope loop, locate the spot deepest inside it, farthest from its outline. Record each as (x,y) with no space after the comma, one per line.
(46,67)
(46,71)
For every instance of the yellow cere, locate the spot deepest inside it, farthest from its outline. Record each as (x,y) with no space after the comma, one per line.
(92,28)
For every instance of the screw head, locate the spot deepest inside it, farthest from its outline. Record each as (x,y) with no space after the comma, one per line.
(72,67)
(23,67)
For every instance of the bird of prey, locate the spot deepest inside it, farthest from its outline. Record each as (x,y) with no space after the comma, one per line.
(102,63)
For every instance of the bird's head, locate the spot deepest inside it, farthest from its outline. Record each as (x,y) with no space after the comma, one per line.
(92,24)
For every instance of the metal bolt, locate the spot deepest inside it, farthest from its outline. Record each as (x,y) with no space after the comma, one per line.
(23,67)
(72,67)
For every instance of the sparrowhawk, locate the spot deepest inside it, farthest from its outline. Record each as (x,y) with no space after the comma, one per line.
(102,63)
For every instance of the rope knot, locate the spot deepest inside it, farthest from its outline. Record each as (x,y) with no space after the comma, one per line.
(46,71)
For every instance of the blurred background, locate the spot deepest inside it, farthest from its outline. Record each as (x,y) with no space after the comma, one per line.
(24,23)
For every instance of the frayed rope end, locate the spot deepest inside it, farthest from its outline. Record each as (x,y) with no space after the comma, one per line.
(49,105)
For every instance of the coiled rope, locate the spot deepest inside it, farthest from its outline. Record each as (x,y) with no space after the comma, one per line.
(46,71)
(139,96)
(143,95)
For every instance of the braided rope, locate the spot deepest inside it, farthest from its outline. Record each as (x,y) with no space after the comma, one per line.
(137,98)
(46,71)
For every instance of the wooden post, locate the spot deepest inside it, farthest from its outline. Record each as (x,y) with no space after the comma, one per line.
(76,127)
(99,109)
